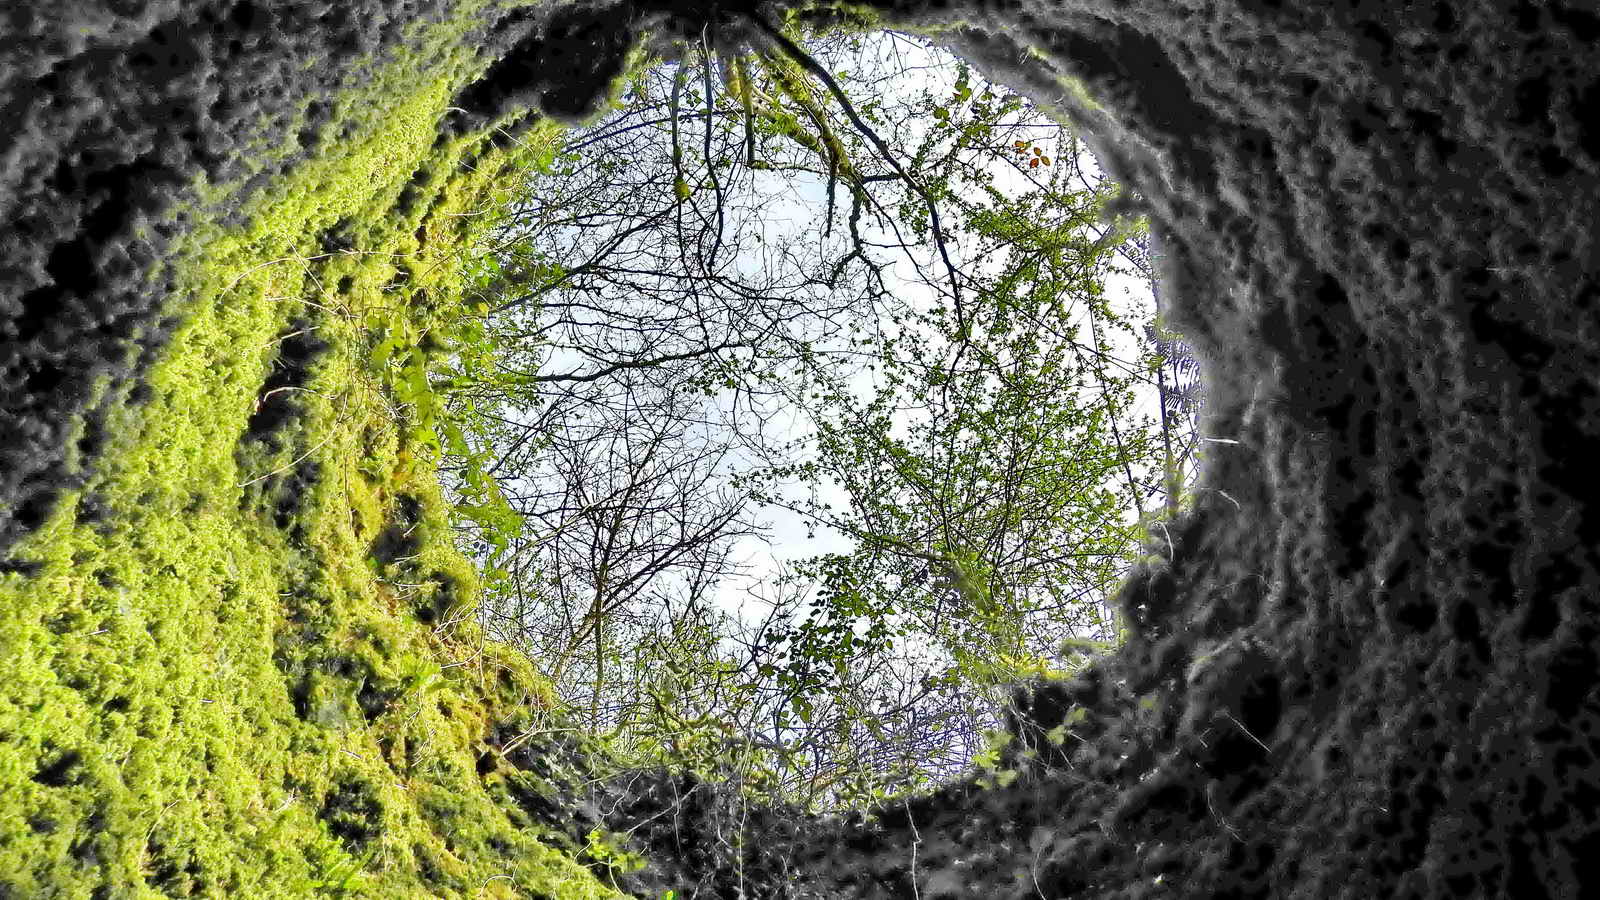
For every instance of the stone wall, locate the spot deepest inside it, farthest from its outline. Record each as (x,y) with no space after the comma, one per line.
(1367,665)
(1372,653)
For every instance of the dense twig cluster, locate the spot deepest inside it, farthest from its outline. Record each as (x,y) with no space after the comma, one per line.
(663,307)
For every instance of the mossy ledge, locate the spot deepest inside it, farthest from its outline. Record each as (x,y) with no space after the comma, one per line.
(1364,665)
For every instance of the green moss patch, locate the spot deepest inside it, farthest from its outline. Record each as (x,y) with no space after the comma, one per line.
(240,661)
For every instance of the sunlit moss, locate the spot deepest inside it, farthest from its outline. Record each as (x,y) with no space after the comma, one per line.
(213,686)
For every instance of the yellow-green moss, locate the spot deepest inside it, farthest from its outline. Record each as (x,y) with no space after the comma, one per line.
(214,689)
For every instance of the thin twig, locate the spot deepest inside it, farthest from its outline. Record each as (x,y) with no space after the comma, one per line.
(794,52)
(1172,553)
(1229,716)
(916,841)
(711,168)
(289,465)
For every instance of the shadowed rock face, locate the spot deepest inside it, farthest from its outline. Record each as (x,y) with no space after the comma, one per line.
(110,111)
(1366,667)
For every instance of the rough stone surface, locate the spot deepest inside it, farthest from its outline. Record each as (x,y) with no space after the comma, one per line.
(1367,666)
(112,112)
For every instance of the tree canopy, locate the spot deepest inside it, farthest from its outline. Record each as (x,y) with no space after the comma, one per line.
(842,280)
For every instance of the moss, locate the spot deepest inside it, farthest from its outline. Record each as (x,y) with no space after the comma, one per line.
(217,681)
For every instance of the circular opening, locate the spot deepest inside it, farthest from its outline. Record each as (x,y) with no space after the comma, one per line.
(831,401)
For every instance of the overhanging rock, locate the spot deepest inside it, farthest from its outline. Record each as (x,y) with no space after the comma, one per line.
(1367,665)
